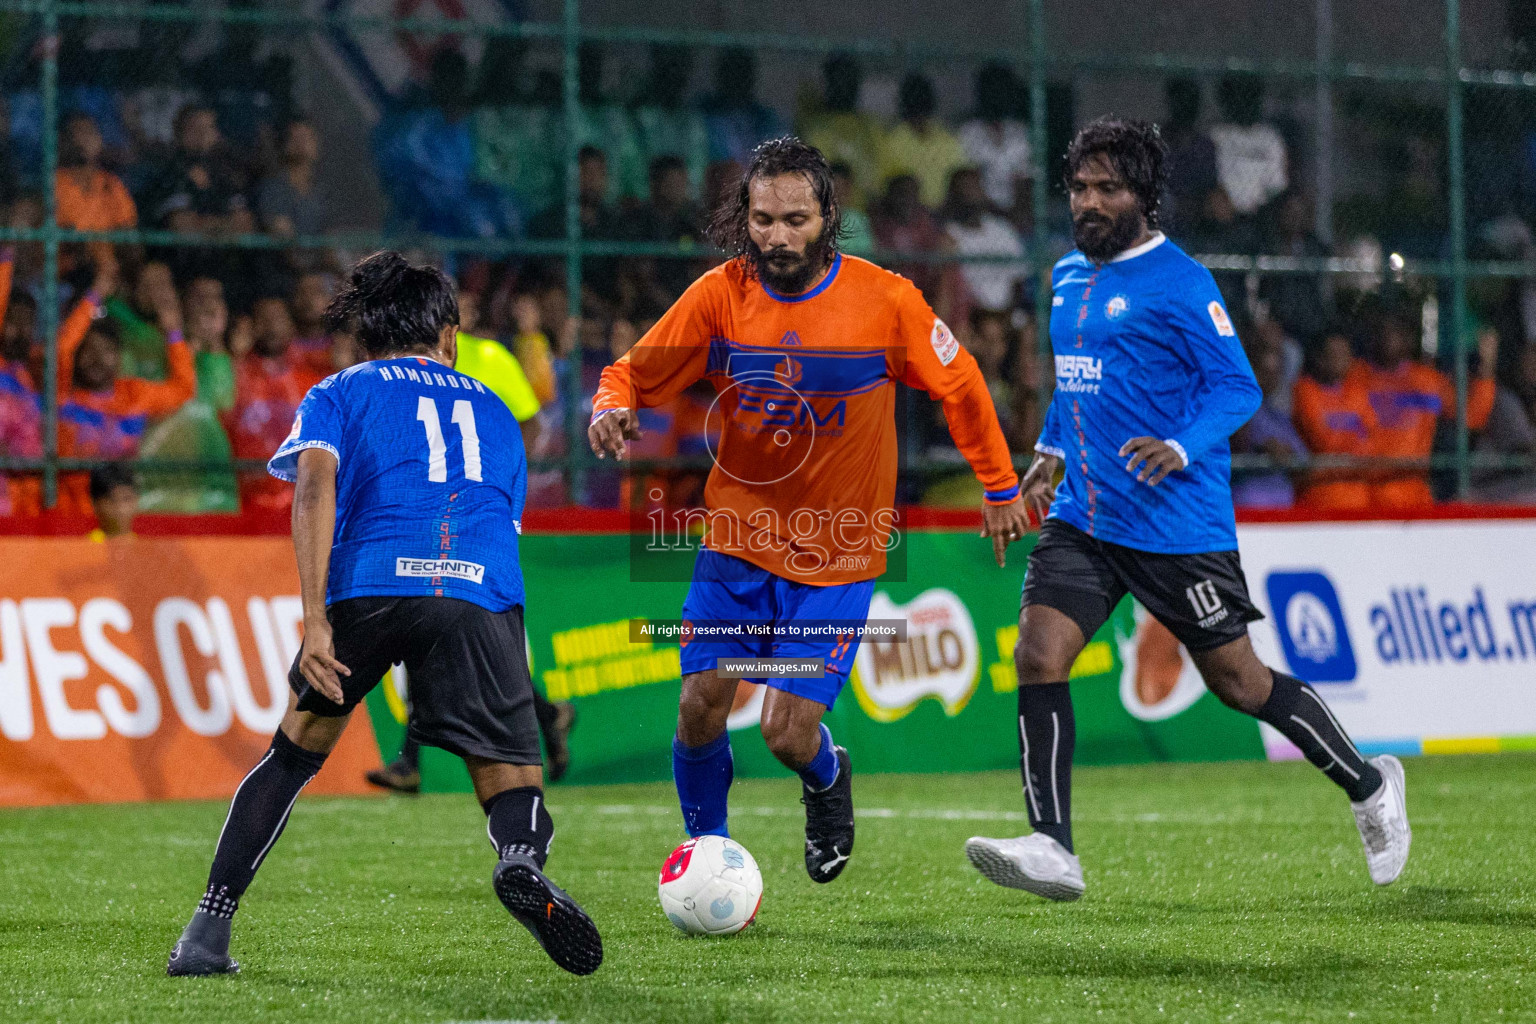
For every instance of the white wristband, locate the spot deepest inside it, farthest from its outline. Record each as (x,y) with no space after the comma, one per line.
(1171,443)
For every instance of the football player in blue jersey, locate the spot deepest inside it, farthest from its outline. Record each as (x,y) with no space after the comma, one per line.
(1150,383)
(410,486)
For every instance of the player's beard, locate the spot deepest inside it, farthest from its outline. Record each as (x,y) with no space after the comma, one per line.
(789,273)
(1102,238)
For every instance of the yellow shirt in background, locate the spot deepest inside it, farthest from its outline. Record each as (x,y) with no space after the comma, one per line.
(491,364)
(931,156)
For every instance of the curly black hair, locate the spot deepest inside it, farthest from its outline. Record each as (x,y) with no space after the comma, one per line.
(392,306)
(1135,149)
(728,229)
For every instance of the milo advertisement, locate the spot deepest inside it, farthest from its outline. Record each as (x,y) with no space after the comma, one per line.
(942,700)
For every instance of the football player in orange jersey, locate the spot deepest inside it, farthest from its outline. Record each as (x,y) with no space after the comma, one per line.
(805,347)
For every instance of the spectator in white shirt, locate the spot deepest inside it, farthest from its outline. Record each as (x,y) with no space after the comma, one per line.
(975,231)
(1250,155)
(996,140)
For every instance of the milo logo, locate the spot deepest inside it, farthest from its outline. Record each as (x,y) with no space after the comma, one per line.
(939,660)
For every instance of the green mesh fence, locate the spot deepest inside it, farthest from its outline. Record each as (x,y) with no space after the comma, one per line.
(1321,172)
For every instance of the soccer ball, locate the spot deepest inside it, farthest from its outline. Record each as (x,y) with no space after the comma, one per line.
(710,886)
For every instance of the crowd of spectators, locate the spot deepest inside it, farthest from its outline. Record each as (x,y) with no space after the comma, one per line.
(191,353)
(1356,371)
(201,352)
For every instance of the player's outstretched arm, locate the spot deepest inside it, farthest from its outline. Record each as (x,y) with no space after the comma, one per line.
(1004,523)
(314,528)
(610,430)
(660,366)
(1228,395)
(1038,488)
(932,359)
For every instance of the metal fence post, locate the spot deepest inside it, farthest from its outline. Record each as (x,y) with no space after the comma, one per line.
(1453,127)
(1323,97)
(1039,199)
(575,436)
(48,385)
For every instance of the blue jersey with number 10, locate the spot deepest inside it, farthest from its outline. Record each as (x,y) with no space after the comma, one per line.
(430,482)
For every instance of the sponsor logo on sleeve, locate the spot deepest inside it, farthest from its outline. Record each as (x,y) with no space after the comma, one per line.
(945,346)
(1220,319)
(451,568)
(298,426)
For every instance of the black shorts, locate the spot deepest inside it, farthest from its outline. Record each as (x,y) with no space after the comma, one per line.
(470,690)
(1201,598)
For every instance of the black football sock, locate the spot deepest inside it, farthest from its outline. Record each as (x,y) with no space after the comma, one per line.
(257,816)
(410,752)
(518,822)
(1047,734)
(1301,716)
(545,711)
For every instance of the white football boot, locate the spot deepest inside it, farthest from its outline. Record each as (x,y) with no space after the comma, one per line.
(1035,863)
(1382,819)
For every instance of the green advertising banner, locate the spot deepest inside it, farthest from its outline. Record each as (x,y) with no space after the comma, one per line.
(943,701)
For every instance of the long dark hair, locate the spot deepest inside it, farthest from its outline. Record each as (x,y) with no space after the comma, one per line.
(1135,149)
(729,230)
(392,306)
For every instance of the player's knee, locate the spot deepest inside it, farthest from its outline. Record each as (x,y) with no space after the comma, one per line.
(699,718)
(1036,663)
(317,734)
(789,740)
(1238,690)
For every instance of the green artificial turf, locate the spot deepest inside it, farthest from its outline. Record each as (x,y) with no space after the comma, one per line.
(1229,892)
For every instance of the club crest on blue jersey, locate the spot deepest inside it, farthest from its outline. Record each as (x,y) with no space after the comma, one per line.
(1115,308)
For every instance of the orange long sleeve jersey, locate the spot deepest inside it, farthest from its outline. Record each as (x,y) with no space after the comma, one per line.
(803,428)
(1408,401)
(1336,420)
(109,424)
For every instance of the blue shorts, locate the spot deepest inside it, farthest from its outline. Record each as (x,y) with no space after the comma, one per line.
(729,589)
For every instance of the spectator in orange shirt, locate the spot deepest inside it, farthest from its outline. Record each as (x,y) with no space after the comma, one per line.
(90,197)
(270,382)
(1409,398)
(102,415)
(1332,412)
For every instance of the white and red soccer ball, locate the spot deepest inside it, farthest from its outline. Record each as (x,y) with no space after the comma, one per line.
(710,886)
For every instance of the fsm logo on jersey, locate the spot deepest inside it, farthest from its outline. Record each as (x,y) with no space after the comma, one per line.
(1310,622)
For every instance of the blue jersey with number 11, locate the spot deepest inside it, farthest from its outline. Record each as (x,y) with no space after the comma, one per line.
(430,482)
